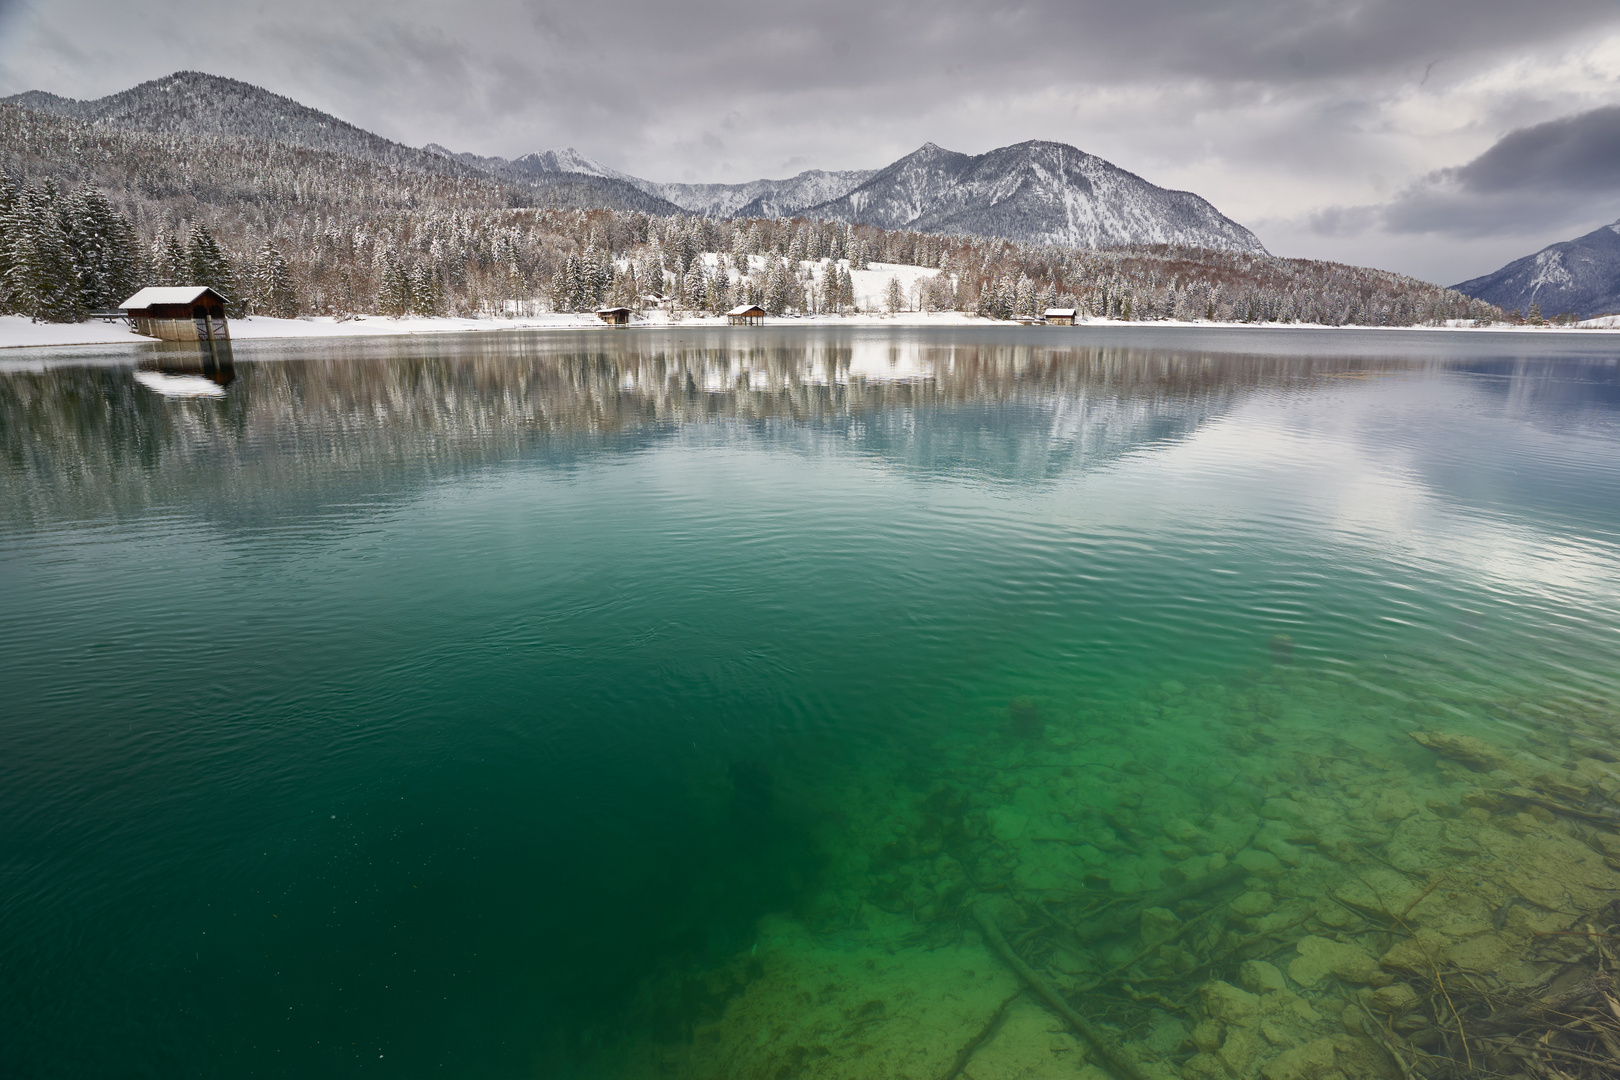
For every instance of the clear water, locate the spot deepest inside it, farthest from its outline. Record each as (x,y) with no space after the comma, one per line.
(450,706)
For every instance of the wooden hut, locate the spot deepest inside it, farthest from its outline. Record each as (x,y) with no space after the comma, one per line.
(178,313)
(1060,316)
(614,316)
(746,315)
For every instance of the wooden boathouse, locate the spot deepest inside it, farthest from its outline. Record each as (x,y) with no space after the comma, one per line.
(178,313)
(614,316)
(746,315)
(1060,316)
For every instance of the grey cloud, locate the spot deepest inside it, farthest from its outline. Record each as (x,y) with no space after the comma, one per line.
(1578,153)
(1269,95)
(1563,174)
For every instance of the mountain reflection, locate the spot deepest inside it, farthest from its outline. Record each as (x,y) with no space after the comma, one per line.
(88,442)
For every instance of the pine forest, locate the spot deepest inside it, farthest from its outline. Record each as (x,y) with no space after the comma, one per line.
(89,213)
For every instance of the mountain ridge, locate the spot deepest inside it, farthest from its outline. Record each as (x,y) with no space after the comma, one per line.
(1580,276)
(1038,192)
(1035,192)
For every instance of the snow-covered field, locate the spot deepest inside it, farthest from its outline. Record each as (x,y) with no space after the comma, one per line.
(19,333)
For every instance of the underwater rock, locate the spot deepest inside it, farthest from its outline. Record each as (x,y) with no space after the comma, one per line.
(1316,1060)
(1395,999)
(1319,957)
(1336,916)
(1251,904)
(1024,718)
(1475,753)
(1281,647)
(1394,805)
(1007,823)
(1182,831)
(1166,1035)
(1259,863)
(1242,1048)
(1159,925)
(1208,1034)
(1259,977)
(1227,1003)
(1204,1066)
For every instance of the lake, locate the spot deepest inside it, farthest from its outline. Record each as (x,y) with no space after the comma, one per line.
(671,703)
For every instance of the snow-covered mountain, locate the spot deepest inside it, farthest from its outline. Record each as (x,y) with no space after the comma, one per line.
(1037,193)
(1580,275)
(763,198)
(194,103)
(1033,192)
(756,198)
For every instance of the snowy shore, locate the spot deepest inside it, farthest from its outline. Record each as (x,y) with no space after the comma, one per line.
(17,332)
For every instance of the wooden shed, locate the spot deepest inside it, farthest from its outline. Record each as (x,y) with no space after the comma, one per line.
(1060,316)
(746,315)
(614,316)
(178,313)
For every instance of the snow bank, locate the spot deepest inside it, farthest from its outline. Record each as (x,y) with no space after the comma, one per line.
(19,333)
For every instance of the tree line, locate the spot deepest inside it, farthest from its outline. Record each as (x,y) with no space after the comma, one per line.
(89,213)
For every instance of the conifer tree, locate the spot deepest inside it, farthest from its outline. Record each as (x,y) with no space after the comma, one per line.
(894,296)
(394,296)
(206,264)
(41,281)
(104,249)
(274,292)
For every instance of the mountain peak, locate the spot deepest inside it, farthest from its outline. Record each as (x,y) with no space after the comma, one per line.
(1580,275)
(1035,192)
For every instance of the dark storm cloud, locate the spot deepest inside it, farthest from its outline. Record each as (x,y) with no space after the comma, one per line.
(1564,173)
(1576,154)
(627,57)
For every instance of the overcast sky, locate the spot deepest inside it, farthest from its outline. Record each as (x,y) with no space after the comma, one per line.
(1437,137)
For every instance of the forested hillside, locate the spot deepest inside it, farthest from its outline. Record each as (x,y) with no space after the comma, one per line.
(90,210)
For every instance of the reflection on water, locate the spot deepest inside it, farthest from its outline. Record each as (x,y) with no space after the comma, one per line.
(683,704)
(188,369)
(1013,412)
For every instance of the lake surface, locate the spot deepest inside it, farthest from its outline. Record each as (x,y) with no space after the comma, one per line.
(586,704)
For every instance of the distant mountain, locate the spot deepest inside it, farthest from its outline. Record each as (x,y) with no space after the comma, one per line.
(1034,193)
(757,198)
(763,198)
(1580,275)
(554,170)
(197,104)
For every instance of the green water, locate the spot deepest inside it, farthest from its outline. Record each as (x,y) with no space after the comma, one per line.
(435,707)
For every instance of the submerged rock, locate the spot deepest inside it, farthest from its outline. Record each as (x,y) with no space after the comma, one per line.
(1476,753)
(1227,1003)
(1259,977)
(1319,957)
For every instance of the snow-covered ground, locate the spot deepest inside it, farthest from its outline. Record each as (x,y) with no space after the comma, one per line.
(19,333)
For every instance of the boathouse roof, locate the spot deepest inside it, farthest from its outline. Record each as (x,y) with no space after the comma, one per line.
(153,295)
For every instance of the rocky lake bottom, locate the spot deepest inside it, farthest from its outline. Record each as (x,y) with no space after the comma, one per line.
(1275,877)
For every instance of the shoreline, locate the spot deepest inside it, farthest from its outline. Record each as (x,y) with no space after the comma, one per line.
(17,332)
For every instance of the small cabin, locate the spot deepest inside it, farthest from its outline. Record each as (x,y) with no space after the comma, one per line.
(178,313)
(1060,316)
(746,315)
(614,316)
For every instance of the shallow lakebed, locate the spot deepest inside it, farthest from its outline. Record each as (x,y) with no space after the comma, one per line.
(681,702)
